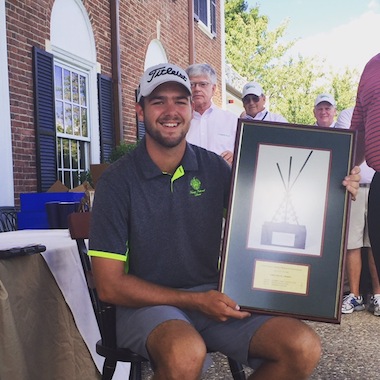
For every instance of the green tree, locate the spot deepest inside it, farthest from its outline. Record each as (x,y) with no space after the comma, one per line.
(290,84)
(250,47)
(344,87)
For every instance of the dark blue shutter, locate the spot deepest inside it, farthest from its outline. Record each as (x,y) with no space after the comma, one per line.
(140,124)
(44,111)
(213,16)
(107,138)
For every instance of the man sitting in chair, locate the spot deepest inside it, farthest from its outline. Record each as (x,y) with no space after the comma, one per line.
(155,242)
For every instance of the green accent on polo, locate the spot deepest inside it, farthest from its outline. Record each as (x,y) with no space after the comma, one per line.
(177,174)
(107,255)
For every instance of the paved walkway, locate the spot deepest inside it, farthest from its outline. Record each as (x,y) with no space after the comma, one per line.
(351,351)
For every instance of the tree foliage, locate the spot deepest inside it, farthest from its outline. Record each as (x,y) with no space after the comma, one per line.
(290,84)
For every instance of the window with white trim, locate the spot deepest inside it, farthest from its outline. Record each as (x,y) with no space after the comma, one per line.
(205,12)
(72,118)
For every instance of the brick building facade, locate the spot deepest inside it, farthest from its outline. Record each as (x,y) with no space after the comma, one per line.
(87,40)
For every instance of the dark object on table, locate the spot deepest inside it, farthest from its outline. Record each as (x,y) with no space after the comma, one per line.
(21,251)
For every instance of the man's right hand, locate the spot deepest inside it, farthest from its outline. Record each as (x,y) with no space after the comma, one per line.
(218,306)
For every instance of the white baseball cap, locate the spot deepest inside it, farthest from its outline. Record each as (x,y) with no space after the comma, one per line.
(252,88)
(325,98)
(159,74)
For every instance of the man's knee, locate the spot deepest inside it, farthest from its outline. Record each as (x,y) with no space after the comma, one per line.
(177,350)
(289,344)
(305,349)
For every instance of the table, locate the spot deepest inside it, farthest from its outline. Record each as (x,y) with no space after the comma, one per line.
(48,328)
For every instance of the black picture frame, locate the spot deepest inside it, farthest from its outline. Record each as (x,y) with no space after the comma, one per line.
(286,225)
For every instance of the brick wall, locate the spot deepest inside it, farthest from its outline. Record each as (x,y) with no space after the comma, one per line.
(28,25)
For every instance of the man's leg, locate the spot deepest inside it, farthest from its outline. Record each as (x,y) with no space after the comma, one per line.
(354,269)
(176,350)
(289,348)
(374,305)
(373,273)
(356,228)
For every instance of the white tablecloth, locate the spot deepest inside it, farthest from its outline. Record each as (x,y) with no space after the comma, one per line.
(62,257)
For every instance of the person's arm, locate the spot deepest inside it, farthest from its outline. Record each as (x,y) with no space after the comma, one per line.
(115,286)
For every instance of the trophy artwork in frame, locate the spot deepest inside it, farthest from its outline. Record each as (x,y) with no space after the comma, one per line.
(284,229)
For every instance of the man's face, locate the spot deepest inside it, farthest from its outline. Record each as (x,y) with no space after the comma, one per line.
(324,112)
(167,114)
(202,92)
(253,104)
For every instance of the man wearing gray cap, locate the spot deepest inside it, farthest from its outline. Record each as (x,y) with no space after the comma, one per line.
(325,110)
(155,244)
(254,104)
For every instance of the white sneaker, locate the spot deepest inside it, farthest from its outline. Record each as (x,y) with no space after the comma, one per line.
(374,305)
(351,303)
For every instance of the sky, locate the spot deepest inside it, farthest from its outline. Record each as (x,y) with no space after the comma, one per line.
(346,33)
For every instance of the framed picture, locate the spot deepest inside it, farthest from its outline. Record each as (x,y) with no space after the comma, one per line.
(286,226)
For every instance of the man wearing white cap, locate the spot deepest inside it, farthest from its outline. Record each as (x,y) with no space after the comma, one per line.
(325,110)
(211,127)
(155,243)
(254,104)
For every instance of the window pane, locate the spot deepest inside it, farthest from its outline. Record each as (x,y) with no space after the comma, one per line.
(58,82)
(84,122)
(67,84)
(83,91)
(68,119)
(76,179)
(74,155)
(76,120)
(59,116)
(203,11)
(66,153)
(82,155)
(59,151)
(66,177)
(75,88)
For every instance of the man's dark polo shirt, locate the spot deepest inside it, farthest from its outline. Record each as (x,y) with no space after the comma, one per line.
(167,228)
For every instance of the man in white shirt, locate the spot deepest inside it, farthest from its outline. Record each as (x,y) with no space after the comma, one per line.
(254,104)
(325,110)
(211,127)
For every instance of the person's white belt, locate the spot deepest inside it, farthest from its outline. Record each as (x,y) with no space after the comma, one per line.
(364,185)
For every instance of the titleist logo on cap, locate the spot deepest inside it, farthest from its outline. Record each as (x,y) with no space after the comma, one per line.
(165,71)
(159,74)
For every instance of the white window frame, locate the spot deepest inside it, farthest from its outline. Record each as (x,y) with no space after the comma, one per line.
(206,27)
(74,138)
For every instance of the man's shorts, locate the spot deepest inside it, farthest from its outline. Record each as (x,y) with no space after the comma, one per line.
(231,338)
(358,228)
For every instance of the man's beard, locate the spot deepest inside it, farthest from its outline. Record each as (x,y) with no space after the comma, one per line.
(163,141)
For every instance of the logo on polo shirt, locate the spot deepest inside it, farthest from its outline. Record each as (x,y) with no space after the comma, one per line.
(196,185)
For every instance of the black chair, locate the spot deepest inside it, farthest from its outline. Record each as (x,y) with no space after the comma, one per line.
(8,219)
(106,313)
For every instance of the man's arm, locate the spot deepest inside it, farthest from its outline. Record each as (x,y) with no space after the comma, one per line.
(115,286)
